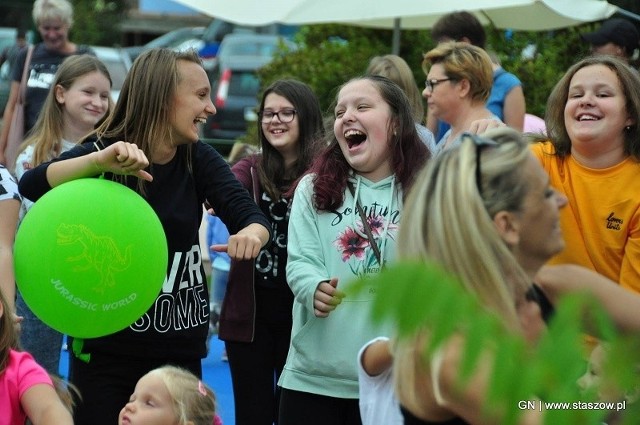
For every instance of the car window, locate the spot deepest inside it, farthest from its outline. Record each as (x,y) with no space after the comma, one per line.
(243,83)
(251,49)
(118,72)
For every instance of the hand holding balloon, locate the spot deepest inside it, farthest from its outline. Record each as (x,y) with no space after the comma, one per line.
(119,158)
(122,158)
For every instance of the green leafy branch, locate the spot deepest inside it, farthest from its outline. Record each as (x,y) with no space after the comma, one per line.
(416,296)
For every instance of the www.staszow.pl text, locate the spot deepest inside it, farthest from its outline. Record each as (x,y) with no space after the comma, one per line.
(574,405)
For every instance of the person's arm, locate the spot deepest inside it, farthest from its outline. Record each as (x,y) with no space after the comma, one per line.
(470,401)
(9,210)
(43,406)
(376,357)
(514,108)
(622,304)
(6,118)
(118,158)
(307,273)
(484,124)
(246,244)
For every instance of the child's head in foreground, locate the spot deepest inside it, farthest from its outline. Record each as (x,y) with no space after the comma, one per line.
(169,396)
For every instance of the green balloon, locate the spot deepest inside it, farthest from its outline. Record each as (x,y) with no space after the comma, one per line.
(90,257)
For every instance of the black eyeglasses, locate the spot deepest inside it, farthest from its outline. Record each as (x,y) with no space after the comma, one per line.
(430,84)
(479,142)
(284,116)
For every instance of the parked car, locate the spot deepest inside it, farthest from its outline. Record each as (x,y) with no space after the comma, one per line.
(5,86)
(218,29)
(253,45)
(235,83)
(8,38)
(118,63)
(234,95)
(178,39)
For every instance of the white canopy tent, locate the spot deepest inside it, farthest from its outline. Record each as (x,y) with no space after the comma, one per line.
(531,15)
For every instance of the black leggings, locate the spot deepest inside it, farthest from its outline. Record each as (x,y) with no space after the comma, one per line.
(256,366)
(297,408)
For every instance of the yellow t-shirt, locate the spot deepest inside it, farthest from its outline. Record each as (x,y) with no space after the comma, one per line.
(601,222)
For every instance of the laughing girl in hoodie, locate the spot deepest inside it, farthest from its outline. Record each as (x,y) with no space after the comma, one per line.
(343,223)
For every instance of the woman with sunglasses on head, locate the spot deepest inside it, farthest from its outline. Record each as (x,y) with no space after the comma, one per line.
(255,320)
(458,84)
(487,199)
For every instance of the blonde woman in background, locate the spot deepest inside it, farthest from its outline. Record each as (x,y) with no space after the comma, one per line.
(485,212)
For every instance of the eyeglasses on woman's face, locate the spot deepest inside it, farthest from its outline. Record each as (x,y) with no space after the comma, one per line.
(284,115)
(430,84)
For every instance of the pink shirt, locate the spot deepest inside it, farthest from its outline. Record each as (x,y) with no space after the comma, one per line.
(22,373)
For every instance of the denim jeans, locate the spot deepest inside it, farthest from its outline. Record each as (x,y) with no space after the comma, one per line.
(40,340)
(219,279)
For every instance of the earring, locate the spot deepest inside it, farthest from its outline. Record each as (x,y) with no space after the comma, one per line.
(627,128)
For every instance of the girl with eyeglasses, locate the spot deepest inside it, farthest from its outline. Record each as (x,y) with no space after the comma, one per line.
(255,320)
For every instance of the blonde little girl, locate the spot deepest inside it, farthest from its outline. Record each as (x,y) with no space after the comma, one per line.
(170,396)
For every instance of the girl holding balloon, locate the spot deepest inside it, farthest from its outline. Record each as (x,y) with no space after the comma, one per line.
(78,99)
(150,144)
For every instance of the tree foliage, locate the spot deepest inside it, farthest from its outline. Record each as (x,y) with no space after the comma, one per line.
(96,21)
(552,53)
(332,54)
(417,296)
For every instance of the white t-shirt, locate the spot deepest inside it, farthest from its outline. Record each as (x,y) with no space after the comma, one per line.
(23,163)
(378,403)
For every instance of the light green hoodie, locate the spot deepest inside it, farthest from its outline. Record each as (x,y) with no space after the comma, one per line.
(323,353)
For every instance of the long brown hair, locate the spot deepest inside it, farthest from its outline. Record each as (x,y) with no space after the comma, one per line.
(408,153)
(275,179)
(8,334)
(142,114)
(47,133)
